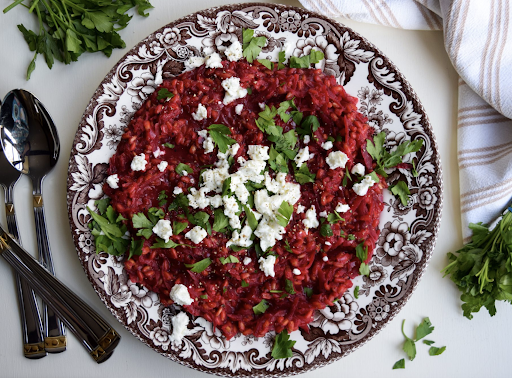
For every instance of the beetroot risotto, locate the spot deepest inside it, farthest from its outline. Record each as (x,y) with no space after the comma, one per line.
(249,193)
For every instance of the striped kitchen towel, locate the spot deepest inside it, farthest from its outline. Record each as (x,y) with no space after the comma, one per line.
(478,40)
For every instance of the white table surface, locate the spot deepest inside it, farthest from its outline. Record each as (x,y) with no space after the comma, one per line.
(476,348)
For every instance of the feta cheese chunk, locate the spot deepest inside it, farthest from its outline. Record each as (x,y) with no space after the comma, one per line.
(327,145)
(328,243)
(197,198)
(300,209)
(177,190)
(197,234)
(257,152)
(233,89)
(323,214)
(194,62)
(239,108)
(302,156)
(269,231)
(113,181)
(342,208)
(163,229)
(234,52)
(296,271)
(208,143)
(362,188)
(241,239)
(138,163)
(325,258)
(247,260)
(358,169)
(162,165)
(158,152)
(201,113)
(230,210)
(180,295)
(307,139)
(267,265)
(213,61)
(337,159)
(311,221)
(179,327)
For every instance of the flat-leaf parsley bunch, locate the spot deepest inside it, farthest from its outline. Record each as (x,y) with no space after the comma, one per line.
(68,28)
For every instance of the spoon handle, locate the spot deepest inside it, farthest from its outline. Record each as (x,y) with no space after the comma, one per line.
(32,328)
(55,337)
(89,327)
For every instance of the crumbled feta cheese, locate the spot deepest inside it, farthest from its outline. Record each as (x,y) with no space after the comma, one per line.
(138,163)
(300,209)
(158,152)
(201,113)
(216,201)
(239,108)
(269,231)
(261,105)
(163,229)
(184,173)
(362,188)
(177,190)
(213,61)
(230,210)
(197,234)
(113,181)
(208,143)
(233,89)
(247,260)
(327,145)
(257,152)
(213,178)
(337,159)
(234,52)
(307,139)
(180,295)
(296,271)
(302,156)
(311,221)
(328,243)
(179,327)
(323,214)
(162,165)
(342,208)
(325,258)
(197,198)
(267,265)
(194,62)
(241,239)
(358,169)
(241,161)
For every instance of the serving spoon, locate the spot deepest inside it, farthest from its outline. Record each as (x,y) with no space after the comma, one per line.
(31,144)
(32,328)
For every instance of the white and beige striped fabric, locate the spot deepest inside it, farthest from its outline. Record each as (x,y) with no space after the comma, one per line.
(478,40)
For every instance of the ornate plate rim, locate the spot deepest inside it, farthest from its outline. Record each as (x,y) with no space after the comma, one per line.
(428,250)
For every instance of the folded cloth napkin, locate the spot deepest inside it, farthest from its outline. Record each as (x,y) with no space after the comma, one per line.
(478,40)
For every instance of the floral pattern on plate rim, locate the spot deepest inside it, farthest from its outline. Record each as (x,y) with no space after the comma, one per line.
(408,233)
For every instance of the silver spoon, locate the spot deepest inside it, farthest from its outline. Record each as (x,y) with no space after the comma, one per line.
(93,332)
(32,328)
(31,144)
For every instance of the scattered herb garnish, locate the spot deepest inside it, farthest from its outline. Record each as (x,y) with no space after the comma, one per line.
(221,221)
(69,28)
(162,199)
(284,213)
(303,175)
(434,351)
(201,219)
(428,342)
(362,255)
(281,57)
(267,63)
(164,94)
(181,168)
(326,230)
(423,329)
(199,266)
(178,227)
(400,364)
(261,307)
(252,45)
(229,260)
(169,145)
(219,134)
(482,269)
(282,345)
(308,291)
(244,283)
(402,191)
(334,217)
(356,292)
(288,286)
(308,126)
(306,61)
(409,345)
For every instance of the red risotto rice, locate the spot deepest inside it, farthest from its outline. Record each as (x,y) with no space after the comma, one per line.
(299,268)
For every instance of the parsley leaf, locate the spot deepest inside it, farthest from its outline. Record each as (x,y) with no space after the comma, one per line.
(288,286)
(282,345)
(402,191)
(108,231)
(229,260)
(260,308)
(252,45)
(178,227)
(434,351)
(356,292)
(334,217)
(169,145)
(162,199)
(313,57)
(308,126)
(251,218)
(221,221)
(409,346)
(199,266)
(400,364)
(425,328)
(281,57)
(244,283)
(201,219)
(181,168)
(140,220)
(308,291)
(303,175)
(160,243)
(267,63)
(362,252)
(219,134)
(164,94)
(326,230)
(428,342)
(135,248)
(284,213)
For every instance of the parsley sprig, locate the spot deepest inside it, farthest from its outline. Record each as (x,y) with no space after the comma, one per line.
(67,29)
(283,345)
(252,45)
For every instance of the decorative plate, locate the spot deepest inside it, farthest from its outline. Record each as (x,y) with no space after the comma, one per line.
(408,233)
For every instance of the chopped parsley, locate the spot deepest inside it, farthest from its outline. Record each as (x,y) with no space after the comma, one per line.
(162,199)
(261,307)
(326,230)
(178,227)
(229,260)
(181,168)
(306,61)
(308,126)
(282,345)
(164,94)
(334,217)
(244,283)
(308,291)
(252,45)
(434,351)
(199,266)
(267,63)
(402,191)
(362,255)
(219,133)
(303,175)
(169,145)
(400,364)
(356,292)
(284,213)
(288,286)
(221,221)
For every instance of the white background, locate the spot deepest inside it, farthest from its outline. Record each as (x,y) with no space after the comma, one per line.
(476,348)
